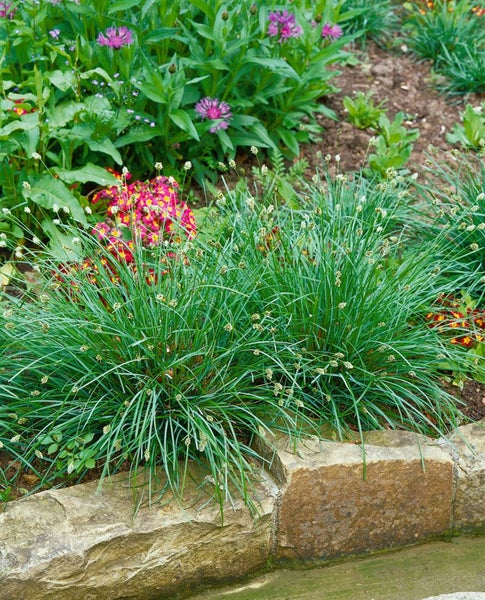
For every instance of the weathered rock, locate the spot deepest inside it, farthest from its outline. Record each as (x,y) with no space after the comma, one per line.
(77,544)
(331,499)
(468,450)
(337,501)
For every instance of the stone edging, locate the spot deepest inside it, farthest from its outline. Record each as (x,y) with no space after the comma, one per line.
(315,503)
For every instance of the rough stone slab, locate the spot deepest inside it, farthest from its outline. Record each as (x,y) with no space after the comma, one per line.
(468,450)
(77,544)
(332,505)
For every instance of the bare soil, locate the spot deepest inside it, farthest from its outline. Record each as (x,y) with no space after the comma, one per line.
(405,85)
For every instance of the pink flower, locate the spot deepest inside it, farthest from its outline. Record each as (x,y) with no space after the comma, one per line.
(331,32)
(116,37)
(151,210)
(214,110)
(284,25)
(54,33)
(5,12)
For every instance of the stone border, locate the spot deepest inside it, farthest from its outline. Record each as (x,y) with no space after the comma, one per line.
(319,500)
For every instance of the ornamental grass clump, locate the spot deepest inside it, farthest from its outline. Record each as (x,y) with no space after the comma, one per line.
(347,302)
(286,316)
(455,191)
(153,368)
(451,34)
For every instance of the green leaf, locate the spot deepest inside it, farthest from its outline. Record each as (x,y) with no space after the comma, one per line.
(105,146)
(97,71)
(60,244)
(20,125)
(140,134)
(276,65)
(64,113)
(87,173)
(157,35)
(182,119)
(47,192)
(122,5)
(62,80)
(29,140)
(226,142)
(289,140)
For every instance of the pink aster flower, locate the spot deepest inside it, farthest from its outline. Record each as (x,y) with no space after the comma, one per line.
(214,110)
(284,25)
(116,37)
(5,10)
(331,32)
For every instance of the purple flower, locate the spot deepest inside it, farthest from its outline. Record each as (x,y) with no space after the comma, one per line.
(331,32)
(54,33)
(284,25)
(116,37)
(214,110)
(5,12)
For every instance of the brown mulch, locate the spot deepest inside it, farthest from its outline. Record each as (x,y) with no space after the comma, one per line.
(405,85)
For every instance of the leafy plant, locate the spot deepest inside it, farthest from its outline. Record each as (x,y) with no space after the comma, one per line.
(376,20)
(361,110)
(392,147)
(470,134)
(101,84)
(443,27)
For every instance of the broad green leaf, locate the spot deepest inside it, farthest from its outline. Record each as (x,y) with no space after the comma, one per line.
(51,194)
(29,140)
(87,173)
(140,134)
(182,119)
(62,80)
(157,35)
(60,245)
(105,146)
(225,140)
(97,71)
(123,5)
(261,131)
(276,65)
(64,113)
(19,125)
(289,140)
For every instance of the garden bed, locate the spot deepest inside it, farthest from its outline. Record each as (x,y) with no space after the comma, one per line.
(207,353)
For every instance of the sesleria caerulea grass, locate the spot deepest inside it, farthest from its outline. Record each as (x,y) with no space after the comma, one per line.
(152,363)
(347,291)
(283,318)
